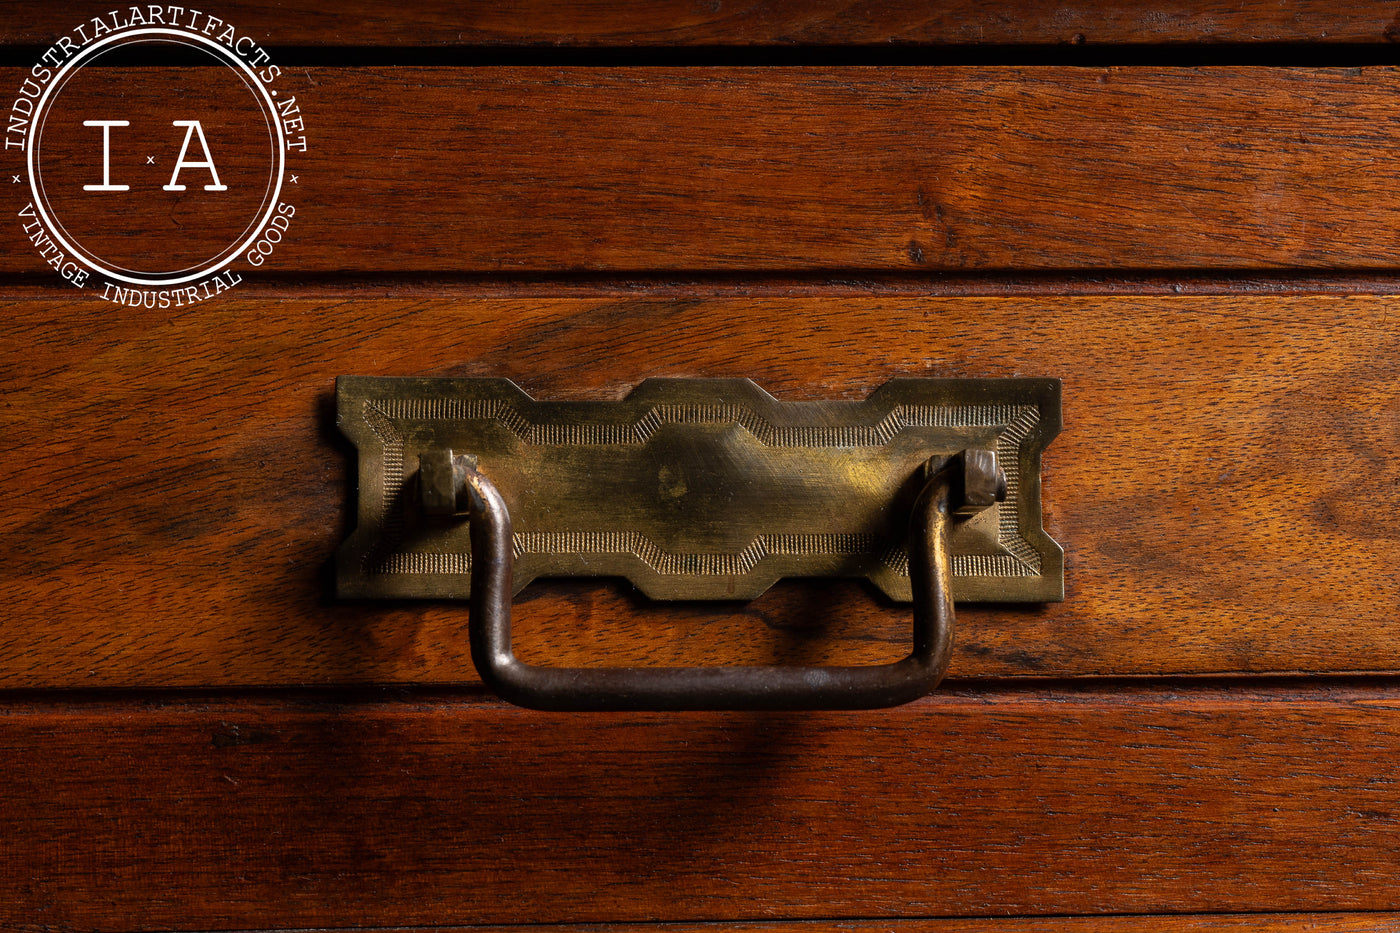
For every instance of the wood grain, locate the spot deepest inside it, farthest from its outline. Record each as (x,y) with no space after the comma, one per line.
(572,23)
(172,487)
(505,171)
(1199,923)
(1356,922)
(300,812)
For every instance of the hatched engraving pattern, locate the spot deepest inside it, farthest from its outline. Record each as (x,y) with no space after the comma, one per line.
(1019,421)
(971,565)
(641,430)
(644,549)
(1008,455)
(387,431)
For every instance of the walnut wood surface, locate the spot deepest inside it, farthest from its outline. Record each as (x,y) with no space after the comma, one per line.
(540,23)
(1357,922)
(521,170)
(298,812)
(172,487)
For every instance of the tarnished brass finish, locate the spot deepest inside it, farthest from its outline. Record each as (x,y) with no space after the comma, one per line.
(943,494)
(698,489)
(442,482)
(983,481)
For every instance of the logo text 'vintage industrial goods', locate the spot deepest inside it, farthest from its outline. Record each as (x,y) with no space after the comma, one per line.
(152,180)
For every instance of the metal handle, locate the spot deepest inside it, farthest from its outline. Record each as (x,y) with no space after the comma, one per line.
(973,487)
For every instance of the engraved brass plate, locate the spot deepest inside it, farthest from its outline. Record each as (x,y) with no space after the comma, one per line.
(698,488)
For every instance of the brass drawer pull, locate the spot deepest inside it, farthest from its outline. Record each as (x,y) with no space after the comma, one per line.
(966,483)
(701,489)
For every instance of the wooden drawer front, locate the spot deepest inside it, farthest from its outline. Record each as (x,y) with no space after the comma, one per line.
(511,170)
(1222,486)
(302,812)
(1186,214)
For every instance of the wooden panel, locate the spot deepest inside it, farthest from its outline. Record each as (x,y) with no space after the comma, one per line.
(298,812)
(1197,923)
(172,487)
(808,22)
(518,170)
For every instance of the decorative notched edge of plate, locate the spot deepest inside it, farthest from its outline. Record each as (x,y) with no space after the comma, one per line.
(1022,414)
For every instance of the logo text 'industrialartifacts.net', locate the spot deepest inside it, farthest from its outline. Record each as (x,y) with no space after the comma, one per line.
(153,181)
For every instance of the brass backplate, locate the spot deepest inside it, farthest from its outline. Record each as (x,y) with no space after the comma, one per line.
(698,488)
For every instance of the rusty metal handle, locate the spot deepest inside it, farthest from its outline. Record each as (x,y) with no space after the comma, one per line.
(712,688)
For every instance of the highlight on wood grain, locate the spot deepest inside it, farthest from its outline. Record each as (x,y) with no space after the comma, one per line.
(662,23)
(790,170)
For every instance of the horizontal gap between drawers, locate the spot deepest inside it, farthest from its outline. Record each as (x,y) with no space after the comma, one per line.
(1182,55)
(1072,923)
(837,283)
(1144,688)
